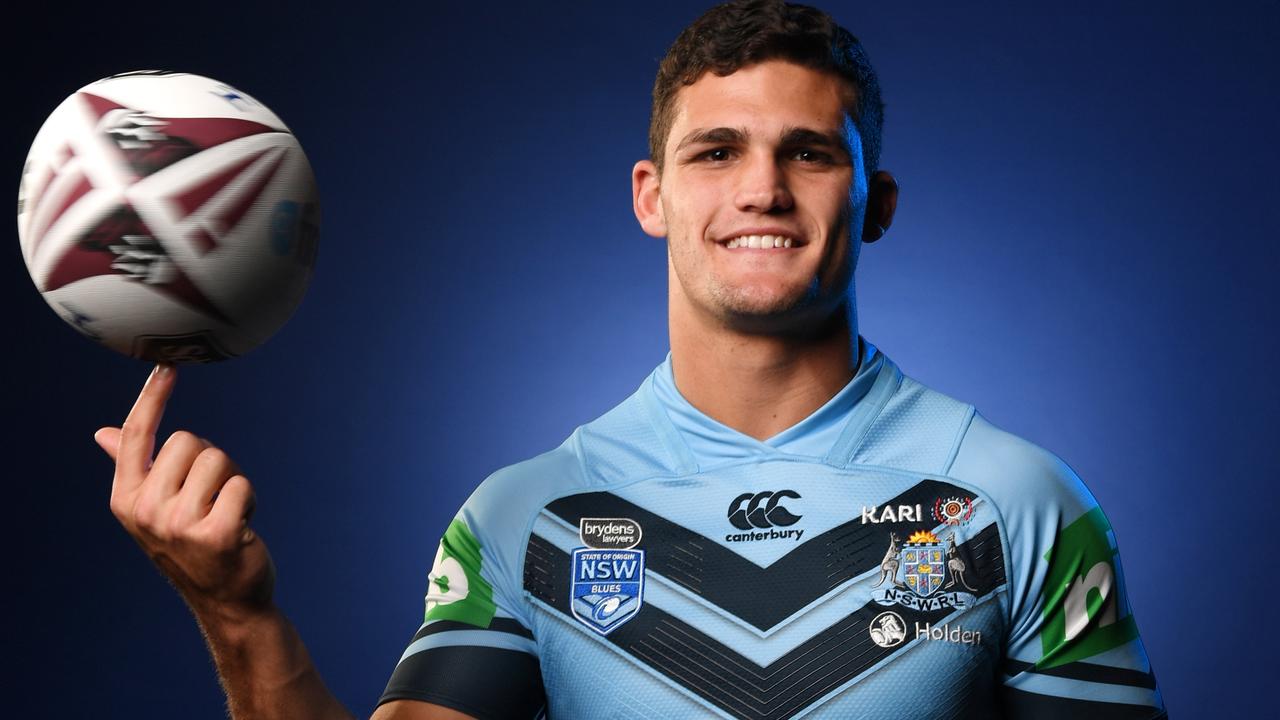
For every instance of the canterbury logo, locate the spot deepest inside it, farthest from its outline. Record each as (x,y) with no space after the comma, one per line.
(762,510)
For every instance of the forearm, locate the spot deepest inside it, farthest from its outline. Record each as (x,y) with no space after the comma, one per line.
(265,668)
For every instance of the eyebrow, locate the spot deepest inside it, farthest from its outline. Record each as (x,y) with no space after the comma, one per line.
(805,136)
(713,136)
(791,136)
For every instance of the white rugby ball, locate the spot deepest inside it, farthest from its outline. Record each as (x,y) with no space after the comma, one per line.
(168,216)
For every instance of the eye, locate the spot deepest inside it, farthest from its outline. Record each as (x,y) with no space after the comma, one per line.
(810,156)
(717,155)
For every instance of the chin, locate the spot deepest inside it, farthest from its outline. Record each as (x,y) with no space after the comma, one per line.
(775,312)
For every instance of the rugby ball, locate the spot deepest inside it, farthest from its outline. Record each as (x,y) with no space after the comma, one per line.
(168,216)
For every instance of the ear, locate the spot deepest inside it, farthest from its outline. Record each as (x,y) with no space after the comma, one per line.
(645,199)
(882,201)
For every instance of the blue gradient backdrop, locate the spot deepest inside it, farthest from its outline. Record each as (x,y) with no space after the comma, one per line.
(1085,249)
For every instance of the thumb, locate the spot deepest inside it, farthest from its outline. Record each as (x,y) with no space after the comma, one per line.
(108,438)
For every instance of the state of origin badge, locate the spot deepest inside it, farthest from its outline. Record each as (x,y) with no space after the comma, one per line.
(607,576)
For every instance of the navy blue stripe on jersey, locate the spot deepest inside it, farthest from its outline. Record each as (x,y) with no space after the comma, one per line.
(497,624)
(1021,704)
(725,678)
(813,569)
(1088,672)
(486,683)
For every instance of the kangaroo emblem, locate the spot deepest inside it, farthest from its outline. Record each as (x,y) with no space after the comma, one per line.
(889,565)
(955,565)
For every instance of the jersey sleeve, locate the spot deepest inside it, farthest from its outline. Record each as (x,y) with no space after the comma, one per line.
(474,651)
(1073,649)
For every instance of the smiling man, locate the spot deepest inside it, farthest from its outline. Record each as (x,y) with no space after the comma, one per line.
(777,523)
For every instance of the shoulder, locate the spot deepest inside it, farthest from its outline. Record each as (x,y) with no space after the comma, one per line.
(1018,474)
(919,430)
(620,444)
(913,427)
(502,507)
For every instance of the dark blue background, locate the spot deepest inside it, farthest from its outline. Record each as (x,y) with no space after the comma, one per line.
(1087,229)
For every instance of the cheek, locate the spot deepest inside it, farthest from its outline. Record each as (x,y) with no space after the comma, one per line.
(700,194)
(830,211)
(687,218)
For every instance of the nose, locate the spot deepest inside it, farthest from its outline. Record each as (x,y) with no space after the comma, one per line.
(762,185)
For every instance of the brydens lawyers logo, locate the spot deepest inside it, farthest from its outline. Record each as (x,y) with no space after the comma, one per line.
(609,533)
(765,511)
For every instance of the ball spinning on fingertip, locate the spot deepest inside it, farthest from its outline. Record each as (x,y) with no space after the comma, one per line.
(168,216)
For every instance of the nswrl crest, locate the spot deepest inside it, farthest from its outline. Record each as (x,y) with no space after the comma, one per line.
(912,574)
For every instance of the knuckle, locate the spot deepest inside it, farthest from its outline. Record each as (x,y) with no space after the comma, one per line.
(212,538)
(145,515)
(182,437)
(211,457)
(160,531)
(170,530)
(131,430)
(196,535)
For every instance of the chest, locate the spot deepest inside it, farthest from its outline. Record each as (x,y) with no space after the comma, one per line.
(767,590)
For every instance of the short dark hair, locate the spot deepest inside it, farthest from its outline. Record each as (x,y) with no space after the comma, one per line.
(737,34)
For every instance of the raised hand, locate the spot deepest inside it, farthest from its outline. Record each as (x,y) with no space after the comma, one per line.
(189,510)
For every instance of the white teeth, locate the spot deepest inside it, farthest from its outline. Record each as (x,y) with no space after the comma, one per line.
(759,241)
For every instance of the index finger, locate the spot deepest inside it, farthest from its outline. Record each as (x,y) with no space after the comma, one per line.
(138,434)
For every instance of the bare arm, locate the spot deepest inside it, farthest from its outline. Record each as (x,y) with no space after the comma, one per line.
(189,510)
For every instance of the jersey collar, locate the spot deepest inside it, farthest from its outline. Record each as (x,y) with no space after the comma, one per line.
(700,442)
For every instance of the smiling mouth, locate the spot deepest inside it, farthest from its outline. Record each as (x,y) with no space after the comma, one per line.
(761,242)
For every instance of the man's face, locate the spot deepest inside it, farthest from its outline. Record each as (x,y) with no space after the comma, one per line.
(761,185)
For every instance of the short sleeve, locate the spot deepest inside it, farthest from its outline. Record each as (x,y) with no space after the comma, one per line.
(1076,652)
(1072,647)
(472,653)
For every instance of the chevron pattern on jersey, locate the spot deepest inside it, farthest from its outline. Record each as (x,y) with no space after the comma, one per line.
(813,569)
(731,681)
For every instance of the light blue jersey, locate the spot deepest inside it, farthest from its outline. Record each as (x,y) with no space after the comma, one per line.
(891,556)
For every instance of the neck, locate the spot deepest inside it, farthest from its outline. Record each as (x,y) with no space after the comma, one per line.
(761,384)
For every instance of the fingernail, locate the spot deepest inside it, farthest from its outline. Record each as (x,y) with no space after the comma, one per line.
(162,369)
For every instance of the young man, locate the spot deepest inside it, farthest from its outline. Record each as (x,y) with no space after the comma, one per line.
(776,523)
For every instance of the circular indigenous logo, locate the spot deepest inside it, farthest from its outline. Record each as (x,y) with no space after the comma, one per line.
(887,629)
(953,510)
